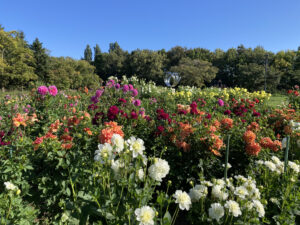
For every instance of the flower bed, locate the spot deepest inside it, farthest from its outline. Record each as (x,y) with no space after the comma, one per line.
(131,152)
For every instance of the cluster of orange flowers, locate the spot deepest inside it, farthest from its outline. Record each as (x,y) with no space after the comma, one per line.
(107,133)
(24,119)
(49,135)
(266,142)
(281,117)
(253,127)
(185,130)
(66,140)
(217,144)
(227,123)
(252,148)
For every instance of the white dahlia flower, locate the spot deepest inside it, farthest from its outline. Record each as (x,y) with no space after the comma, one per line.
(198,192)
(216,211)
(271,166)
(294,166)
(159,169)
(136,146)
(233,207)
(141,174)
(183,199)
(104,152)
(241,192)
(145,215)
(117,142)
(259,208)
(218,193)
(10,186)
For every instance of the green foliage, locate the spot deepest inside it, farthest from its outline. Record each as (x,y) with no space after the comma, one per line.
(88,54)
(41,60)
(16,61)
(195,72)
(147,64)
(76,73)
(97,52)
(111,63)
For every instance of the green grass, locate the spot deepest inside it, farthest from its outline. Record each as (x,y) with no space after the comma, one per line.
(277,100)
(13,93)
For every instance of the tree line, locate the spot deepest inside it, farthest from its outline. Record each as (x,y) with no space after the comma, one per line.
(24,64)
(27,65)
(236,67)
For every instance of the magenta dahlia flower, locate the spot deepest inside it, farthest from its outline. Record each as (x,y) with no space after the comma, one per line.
(43,90)
(52,90)
(134,92)
(220,102)
(137,102)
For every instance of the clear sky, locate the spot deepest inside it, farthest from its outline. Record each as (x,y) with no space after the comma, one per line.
(66,26)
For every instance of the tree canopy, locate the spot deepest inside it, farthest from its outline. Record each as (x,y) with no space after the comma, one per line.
(23,64)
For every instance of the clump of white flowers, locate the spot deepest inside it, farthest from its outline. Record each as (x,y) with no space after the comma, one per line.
(259,208)
(103,153)
(295,125)
(145,215)
(141,174)
(117,142)
(159,169)
(10,186)
(116,165)
(216,211)
(233,207)
(183,200)
(277,166)
(219,192)
(198,192)
(294,166)
(136,146)
(237,197)
(270,165)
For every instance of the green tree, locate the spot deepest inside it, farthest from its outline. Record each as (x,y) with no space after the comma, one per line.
(195,72)
(97,52)
(41,60)
(147,64)
(112,63)
(88,54)
(75,73)
(16,61)
(175,55)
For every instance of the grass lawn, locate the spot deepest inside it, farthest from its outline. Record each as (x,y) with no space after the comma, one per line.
(277,100)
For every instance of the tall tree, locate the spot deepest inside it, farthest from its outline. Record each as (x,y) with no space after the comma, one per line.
(115,47)
(111,63)
(16,60)
(97,52)
(88,54)
(147,64)
(195,72)
(41,60)
(175,55)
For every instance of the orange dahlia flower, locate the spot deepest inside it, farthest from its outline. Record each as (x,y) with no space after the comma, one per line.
(253,148)
(249,136)
(227,123)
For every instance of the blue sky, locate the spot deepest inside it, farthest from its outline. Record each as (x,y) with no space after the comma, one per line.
(65,27)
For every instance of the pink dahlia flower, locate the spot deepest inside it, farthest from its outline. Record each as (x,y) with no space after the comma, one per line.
(43,90)
(52,90)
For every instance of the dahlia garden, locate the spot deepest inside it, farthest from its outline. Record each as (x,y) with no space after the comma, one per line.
(131,152)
